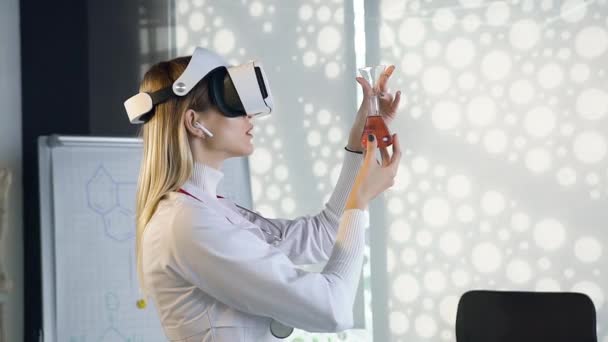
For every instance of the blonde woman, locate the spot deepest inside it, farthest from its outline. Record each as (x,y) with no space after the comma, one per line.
(217,271)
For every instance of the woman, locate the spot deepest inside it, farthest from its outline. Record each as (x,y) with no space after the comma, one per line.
(215,271)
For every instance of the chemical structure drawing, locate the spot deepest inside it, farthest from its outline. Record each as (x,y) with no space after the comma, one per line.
(114,202)
(111,333)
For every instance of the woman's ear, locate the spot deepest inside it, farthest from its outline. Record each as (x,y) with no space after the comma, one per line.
(190,117)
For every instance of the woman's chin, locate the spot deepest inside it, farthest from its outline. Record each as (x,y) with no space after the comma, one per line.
(242,152)
(248,149)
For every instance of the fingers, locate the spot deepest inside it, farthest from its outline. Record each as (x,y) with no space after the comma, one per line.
(365,86)
(386,159)
(384,78)
(370,151)
(396,157)
(386,98)
(395,104)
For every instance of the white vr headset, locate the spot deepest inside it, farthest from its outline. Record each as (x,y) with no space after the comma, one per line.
(235,90)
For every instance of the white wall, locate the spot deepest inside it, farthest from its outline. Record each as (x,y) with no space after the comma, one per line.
(11,156)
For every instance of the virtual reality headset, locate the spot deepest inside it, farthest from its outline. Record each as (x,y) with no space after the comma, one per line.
(235,90)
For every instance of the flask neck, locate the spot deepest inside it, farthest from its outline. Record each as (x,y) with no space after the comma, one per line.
(374,106)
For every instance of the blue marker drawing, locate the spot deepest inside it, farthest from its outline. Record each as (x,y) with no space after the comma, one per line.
(111,333)
(114,202)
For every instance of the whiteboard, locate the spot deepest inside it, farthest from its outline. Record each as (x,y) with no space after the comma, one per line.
(87,201)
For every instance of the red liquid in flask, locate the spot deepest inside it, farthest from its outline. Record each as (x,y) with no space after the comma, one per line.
(375,125)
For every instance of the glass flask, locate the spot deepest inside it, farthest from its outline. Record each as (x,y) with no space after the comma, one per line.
(374,123)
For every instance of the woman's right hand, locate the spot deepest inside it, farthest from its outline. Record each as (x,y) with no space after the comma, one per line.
(373,178)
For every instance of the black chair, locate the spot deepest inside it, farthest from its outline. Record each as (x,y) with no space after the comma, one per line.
(497,316)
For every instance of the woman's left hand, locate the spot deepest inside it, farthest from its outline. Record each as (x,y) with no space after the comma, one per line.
(388,107)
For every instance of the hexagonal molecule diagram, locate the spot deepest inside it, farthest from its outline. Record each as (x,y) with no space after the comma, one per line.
(111,333)
(115,202)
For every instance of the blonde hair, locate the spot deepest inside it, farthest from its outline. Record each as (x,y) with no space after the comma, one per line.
(167,160)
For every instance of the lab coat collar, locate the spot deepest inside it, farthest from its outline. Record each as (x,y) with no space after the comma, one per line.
(205,179)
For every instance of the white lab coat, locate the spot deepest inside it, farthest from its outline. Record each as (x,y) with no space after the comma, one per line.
(215,275)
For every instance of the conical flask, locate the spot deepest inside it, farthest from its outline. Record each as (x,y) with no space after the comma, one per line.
(374,123)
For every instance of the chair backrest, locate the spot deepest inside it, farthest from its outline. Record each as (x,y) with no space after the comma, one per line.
(502,316)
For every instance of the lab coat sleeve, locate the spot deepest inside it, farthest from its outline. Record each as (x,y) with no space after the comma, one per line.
(243,271)
(309,239)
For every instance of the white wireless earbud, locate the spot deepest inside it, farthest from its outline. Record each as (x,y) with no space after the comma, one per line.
(208,132)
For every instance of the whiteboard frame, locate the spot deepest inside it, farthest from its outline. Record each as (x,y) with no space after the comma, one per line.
(47,250)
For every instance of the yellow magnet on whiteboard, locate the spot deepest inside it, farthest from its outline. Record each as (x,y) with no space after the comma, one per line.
(141,304)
